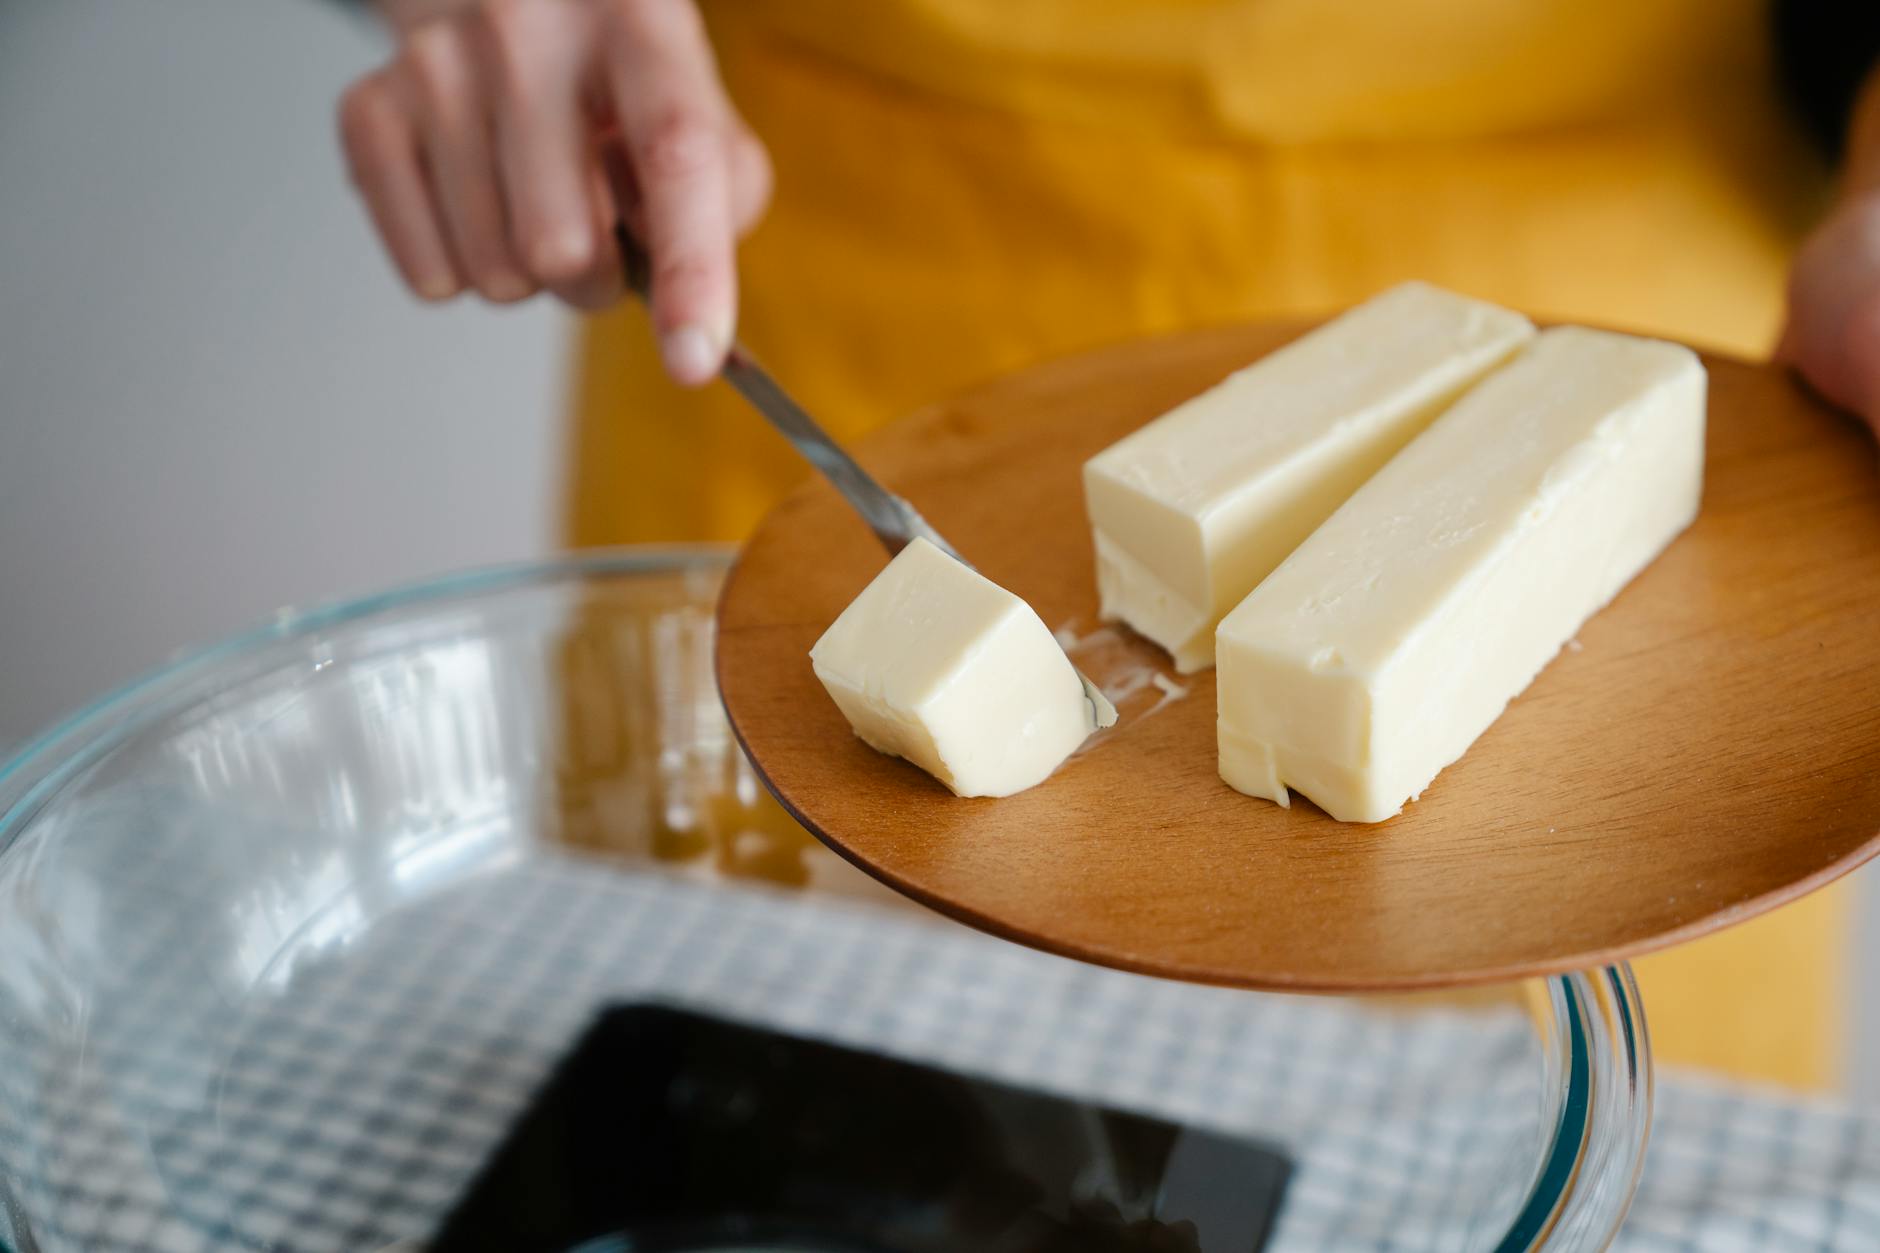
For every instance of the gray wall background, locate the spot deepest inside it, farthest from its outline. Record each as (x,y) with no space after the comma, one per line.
(214,399)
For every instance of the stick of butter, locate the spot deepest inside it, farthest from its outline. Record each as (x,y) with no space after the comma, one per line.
(935,663)
(1378,652)
(1194,509)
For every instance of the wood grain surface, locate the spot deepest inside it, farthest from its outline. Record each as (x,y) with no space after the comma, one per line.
(1709,750)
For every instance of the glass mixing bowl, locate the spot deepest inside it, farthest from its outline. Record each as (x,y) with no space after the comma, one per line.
(291,931)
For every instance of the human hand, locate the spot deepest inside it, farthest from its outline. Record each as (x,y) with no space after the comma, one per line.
(479,151)
(1832,336)
(1833,333)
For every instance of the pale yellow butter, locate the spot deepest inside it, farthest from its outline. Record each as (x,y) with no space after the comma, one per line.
(935,663)
(1394,636)
(1194,509)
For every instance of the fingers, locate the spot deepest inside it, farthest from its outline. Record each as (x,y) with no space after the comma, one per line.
(381,149)
(1832,334)
(750,178)
(1861,346)
(449,97)
(558,227)
(478,153)
(677,127)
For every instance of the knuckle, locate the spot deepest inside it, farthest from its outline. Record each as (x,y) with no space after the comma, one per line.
(753,181)
(493,281)
(559,258)
(639,22)
(677,143)
(433,63)
(365,115)
(510,19)
(626,19)
(684,274)
(682,16)
(514,36)
(359,105)
(356,112)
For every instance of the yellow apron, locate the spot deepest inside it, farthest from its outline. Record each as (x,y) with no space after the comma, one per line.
(965,187)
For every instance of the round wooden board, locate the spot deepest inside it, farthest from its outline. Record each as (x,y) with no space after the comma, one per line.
(1710,750)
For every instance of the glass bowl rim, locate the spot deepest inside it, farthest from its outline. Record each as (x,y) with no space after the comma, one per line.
(83,731)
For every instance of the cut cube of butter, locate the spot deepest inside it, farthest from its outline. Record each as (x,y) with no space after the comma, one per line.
(1194,509)
(938,664)
(1378,652)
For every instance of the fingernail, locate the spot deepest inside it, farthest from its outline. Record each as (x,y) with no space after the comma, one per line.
(690,354)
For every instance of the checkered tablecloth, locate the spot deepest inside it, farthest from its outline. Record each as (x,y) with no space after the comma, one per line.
(339,1097)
